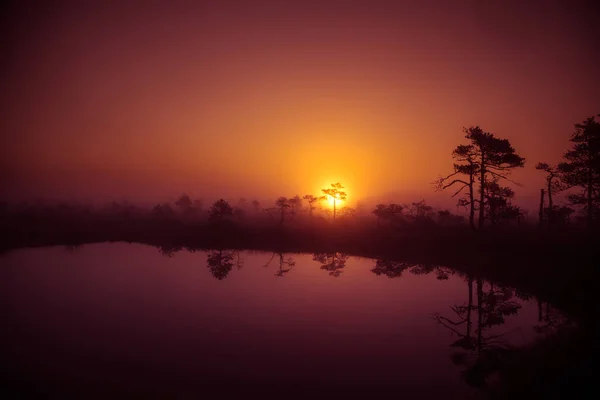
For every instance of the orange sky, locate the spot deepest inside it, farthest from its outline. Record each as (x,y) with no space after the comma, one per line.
(151,99)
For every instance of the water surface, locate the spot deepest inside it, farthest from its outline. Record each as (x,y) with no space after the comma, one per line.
(113,319)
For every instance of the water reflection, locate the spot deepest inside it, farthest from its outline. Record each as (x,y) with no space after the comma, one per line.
(285,264)
(239,261)
(462,324)
(480,351)
(478,346)
(394,269)
(71,248)
(169,250)
(175,321)
(332,262)
(220,262)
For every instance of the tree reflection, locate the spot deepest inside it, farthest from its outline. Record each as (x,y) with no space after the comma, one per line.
(71,248)
(285,264)
(239,261)
(169,250)
(479,352)
(463,313)
(333,262)
(220,262)
(394,269)
(389,268)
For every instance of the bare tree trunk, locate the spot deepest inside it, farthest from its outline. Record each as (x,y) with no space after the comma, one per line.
(334,208)
(479,314)
(482,194)
(550,203)
(590,186)
(472,200)
(541,215)
(470,307)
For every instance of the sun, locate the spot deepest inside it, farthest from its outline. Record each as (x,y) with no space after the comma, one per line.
(338,202)
(330,190)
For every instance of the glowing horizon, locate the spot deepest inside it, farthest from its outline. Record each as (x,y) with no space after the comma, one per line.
(261,101)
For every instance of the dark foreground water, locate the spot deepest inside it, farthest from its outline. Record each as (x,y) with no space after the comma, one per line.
(125,320)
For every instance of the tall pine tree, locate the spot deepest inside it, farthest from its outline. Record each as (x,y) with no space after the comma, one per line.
(581,168)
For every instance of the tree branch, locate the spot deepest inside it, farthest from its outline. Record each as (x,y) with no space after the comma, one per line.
(449,176)
(505,177)
(453,182)
(439,317)
(459,190)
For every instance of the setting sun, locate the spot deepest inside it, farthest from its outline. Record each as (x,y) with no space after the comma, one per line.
(335,196)
(338,201)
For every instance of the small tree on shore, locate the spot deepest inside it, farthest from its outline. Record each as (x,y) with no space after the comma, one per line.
(553,186)
(295,204)
(311,200)
(282,203)
(336,193)
(184,203)
(220,210)
(387,212)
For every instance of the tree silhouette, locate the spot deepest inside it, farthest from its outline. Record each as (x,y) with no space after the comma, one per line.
(497,203)
(219,262)
(333,262)
(465,164)
(336,193)
(581,168)
(184,203)
(553,186)
(445,217)
(282,203)
(387,212)
(163,211)
(485,157)
(420,212)
(311,200)
(256,205)
(347,213)
(220,210)
(295,204)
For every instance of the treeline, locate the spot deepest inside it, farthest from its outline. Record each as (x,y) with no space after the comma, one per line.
(293,211)
(483,165)
(481,171)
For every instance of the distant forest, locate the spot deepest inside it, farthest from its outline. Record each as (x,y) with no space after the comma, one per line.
(482,167)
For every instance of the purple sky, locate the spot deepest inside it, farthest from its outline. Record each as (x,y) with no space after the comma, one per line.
(148,99)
